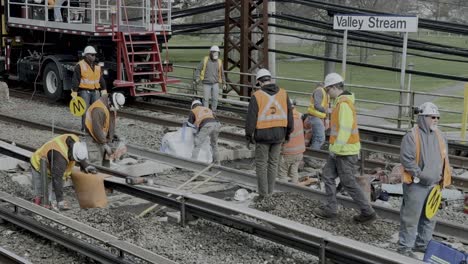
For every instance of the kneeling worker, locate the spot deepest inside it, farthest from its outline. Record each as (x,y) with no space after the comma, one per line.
(208,126)
(61,153)
(100,126)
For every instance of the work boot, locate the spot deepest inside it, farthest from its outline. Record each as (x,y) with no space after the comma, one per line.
(324,213)
(364,219)
(63,206)
(258,198)
(419,249)
(407,252)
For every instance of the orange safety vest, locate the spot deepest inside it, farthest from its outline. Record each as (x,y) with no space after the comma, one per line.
(447,175)
(335,124)
(220,69)
(325,99)
(89,120)
(272,109)
(201,113)
(296,143)
(89,78)
(58,144)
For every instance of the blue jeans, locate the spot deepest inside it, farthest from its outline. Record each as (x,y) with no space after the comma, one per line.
(89,96)
(415,229)
(318,131)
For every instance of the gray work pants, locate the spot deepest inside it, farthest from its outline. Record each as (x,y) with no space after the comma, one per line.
(415,229)
(89,96)
(57,184)
(343,167)
(267,157)
(318,131)
(210,91)
(96,152)
(289,167)
(210,130)
(57,10)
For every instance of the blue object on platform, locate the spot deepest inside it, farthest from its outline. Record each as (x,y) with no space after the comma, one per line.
(440,253)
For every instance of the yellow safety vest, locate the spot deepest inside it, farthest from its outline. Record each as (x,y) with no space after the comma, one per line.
(201,113)
(312,111)
(89,78)
(220,69)
(296,143)
(58,144)
(353,144)
(89,120)
(447,174)
(272,109)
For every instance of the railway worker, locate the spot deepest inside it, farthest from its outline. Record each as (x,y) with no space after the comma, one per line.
(344,150)
(61,154)
(316,121)
(269,123)
(207,125)
(292,150)
(57,9)
(100,127)
(88,81)
(211,73)
(423,155)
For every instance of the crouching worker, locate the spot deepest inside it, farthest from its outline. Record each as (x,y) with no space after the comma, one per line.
(60,154)
(203,119)
(292,150)
(100,125)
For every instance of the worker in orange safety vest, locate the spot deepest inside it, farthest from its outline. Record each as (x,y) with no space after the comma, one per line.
(292,150)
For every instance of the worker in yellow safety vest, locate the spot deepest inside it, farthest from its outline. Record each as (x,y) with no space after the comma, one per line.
(207,126)
(424,157)
(88,81)
(292,151)
(100,127)
(316,120)
(269,123)
(211,73)
(60,155)
(344,153)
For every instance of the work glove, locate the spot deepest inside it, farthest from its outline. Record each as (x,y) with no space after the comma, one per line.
(329,110)
(107,149)
(74,95)
(197,81)
(103,92)
(90,169)
(224,87)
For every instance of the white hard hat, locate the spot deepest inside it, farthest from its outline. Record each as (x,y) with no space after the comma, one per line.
(37,1)
(118,100)
(89,50)
(332,78)
(241,195)
(80,151)
(429,108)
(195,102)
(214,48)
(262,73)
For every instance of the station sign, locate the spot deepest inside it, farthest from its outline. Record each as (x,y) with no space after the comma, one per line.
(375,23)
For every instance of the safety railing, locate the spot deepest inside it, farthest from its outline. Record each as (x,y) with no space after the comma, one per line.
(400,115)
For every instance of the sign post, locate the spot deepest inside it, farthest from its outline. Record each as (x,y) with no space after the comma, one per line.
(360,22)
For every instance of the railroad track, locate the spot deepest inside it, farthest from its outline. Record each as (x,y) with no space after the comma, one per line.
(279,230)
(443,228)
(8,257)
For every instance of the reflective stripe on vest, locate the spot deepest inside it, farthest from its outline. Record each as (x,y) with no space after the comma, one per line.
(311,110)
(220,69)
(272,109)
(447,175)
(89,120)
(201,113)
(296,143)
(58,144)
(335,124)
(89,78)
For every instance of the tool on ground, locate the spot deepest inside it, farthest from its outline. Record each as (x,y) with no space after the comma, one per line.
(135,180)
(149,209)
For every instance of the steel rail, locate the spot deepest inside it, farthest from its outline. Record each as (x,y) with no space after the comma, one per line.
(279,230)
(8,257)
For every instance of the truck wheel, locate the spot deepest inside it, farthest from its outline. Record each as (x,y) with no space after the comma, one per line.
(52,83)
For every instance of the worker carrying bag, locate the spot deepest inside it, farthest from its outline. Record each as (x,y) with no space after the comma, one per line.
(440,253)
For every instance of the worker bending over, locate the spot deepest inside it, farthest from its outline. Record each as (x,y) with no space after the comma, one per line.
(60,154)
(292,150)
(100,126)
(206,124)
